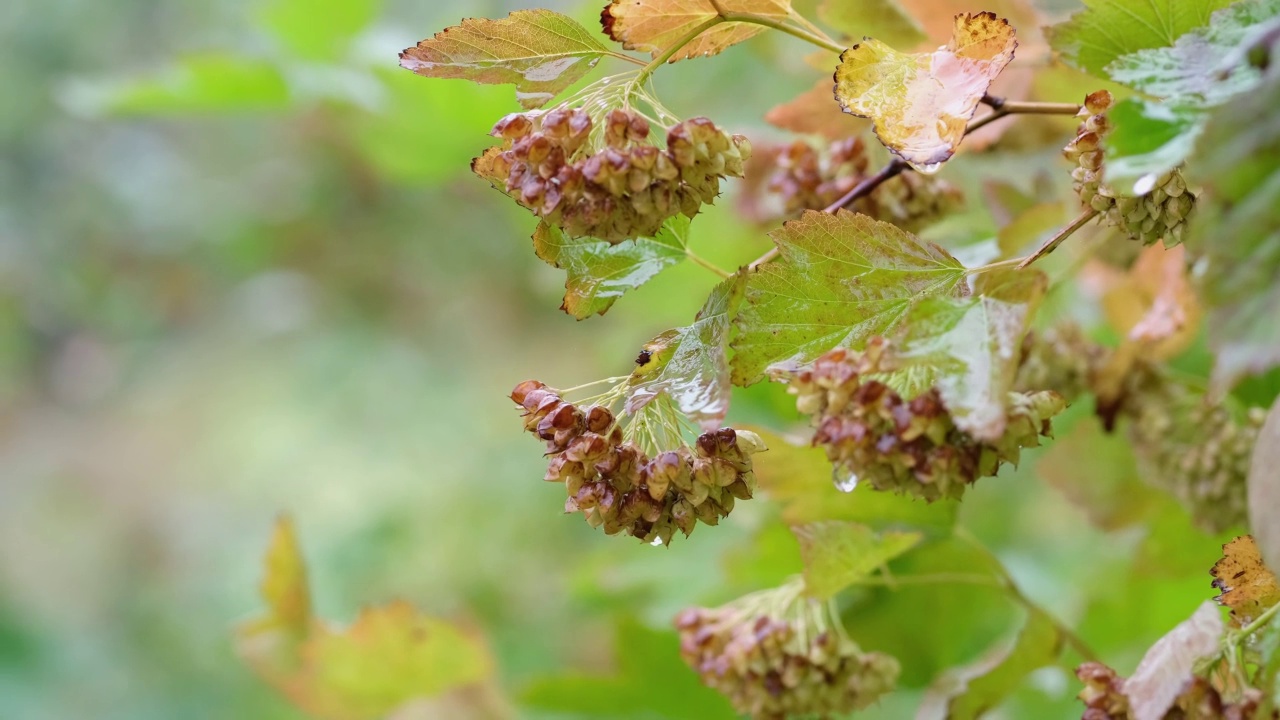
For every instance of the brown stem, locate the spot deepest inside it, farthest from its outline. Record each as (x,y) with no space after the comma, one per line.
(1052,243)
(864,188)
(1003,108)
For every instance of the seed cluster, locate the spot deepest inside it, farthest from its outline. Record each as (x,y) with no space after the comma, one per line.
(1060,358)
(783,662)
(1159,211)
(1104,699)
(616,486)
(873,434)
(625,189)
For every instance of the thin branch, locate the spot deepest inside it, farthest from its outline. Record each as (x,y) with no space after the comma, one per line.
(707,264)
(764,259)
(628,58)
(864,188)
(822,42)
(1004,108)
(1052,243)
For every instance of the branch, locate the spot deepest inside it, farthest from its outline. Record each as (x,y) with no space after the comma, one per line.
(822,42)
(1003,108)
(1052,243)
(895,168)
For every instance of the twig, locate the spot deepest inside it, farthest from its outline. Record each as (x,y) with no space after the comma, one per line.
(628,58)
(1052,243)
(707,264)
(822,42)
(864,188)
(1004,108)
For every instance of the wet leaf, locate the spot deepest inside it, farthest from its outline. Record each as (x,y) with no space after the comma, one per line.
(840,279)
(1264,488)
(967,692)
(1149,137)
(884,20)
(971,346)
(1097,473)
(1168,665)
(654,25)
(837,554)
(538,51)
(816,112)
(1248,586)
(1108,29)
(598,273)
(1154,303)
(920,103)
(692,365)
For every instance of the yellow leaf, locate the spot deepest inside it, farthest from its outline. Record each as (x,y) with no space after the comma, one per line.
(655,25)
(285,585)
(1154,303)
(920,103)
(1248,587)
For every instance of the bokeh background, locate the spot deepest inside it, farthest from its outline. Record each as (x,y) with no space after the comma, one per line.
(245,271)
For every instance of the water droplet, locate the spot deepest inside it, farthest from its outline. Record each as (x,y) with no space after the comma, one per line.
(656,542)
(845,481)
(929,168)
(1144,184)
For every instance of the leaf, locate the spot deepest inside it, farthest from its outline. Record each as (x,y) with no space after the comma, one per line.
(798,477)
(816,112)
(967,692)
(654,25)
(1248,586)
(1149,138)
(839,280)
(1168,665)
(598,273)
(837,554)
(195,84)
(651,682)
(1154,304)
(538,51)
(1264,488)
(1108,29)
(318,29)
(1237,231)
(1097,473)
(284,586)
(881,19)
(921,103)
(693,364)
(971,346)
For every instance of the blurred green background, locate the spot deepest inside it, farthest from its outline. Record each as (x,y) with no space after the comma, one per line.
(245,271)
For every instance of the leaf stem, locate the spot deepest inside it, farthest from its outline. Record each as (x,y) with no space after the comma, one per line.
(1004,108)
(628,58)
(1260,621)
(823,42)
(707,264)
(864,188)
(1052,243)
(817,31)
(674,48)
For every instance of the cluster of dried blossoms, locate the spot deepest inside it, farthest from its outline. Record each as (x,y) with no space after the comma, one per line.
(807,177)
(1104,699)
(912,446)
(777,654)
(616,486)
(625,189)
(1158,211)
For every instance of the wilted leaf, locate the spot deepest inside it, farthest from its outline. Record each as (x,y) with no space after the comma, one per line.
(837,554)
(1108,29)
(1097,472)
(318,29)
(1154,303)
(598,273)
(1248,587)
(692,363)
(967,692)
(971,346)
(880,19)
(1264,488)
(654,25)
(538,51)
(921,103)
(1237,230)
(816,112)
(1168,665)
(840,279)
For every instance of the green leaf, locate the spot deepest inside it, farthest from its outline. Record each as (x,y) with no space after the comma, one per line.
(651,682)
(837,554)
(693,363)
(196,84)
(967,692)
(884,20)
(1149,138)
(1108,29)
(839,280)
(971,346)
(1264,488)
(599,273)
(318,29)
(1237,230)
(538,51)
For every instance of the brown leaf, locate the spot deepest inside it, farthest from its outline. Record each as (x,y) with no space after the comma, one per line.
(816,112)
(920,103)
(654,25)
(1170,663)
(1247,586)
(1264,488)
(1154,303)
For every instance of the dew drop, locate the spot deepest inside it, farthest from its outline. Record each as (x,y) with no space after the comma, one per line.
(656,542)
(929,168)
(845,481)
(1145,184)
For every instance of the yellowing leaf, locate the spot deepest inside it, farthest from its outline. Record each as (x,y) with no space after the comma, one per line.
(655,25)
(1170,663)
(284,586)
(1264,488)
(1248,587)
(538,51)
(816,112)
(920,103)
(1154,303)
(837,554)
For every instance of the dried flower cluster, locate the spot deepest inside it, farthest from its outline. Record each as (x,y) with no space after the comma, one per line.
(1161,208)
(910,446)
(1104,699)
(615,485)
(626,189)
(776,654)
(1060,358)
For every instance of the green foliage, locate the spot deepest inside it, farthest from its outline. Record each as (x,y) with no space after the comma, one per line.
(838,554)
(1109,29)
(317,31)
(199,84)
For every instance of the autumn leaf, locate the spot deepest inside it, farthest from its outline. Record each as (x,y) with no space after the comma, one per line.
(655,25)
(920,103)
(1264,488)
(815,112)
(597,273)
(1248,587)
(538,51)
(1153,303)
(837,554)
(1170,663)
(839,280)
